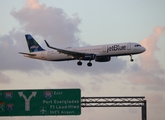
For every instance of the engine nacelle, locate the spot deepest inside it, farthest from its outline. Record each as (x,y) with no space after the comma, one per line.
(89,57)
(102,58)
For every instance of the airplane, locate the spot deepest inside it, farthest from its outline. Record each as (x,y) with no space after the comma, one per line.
(99,53)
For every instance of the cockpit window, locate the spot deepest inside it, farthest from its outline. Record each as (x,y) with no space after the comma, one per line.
(137,45)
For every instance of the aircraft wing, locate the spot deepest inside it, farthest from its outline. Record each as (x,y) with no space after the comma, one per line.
(27,54)
(75,54)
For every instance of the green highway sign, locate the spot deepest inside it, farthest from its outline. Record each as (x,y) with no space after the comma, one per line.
(40,102)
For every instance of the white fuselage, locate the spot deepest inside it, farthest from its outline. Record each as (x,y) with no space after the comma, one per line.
(118,49)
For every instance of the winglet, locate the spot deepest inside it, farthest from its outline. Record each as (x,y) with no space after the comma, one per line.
(51,46)
(47,43)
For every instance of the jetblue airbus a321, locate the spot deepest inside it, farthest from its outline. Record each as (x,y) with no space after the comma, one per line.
(99,53)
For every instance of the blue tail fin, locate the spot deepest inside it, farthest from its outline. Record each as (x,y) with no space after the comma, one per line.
(32,44)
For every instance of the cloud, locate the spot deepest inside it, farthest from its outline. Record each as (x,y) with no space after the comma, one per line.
(155,102)
(68,84)
(116,65)
(4,79)
(50,23)
(10,45)
(153,98)
(149,71)
(148,78)
(32,4)
(147,59)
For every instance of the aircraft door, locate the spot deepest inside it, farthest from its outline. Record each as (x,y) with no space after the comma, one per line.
(104,49)
(129,46)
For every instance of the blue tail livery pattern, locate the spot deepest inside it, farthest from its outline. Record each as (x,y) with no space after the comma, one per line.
(32,44)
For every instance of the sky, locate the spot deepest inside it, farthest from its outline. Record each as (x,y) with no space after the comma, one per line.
(77,23)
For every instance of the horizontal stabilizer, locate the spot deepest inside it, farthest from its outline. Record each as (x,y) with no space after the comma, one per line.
(27,54)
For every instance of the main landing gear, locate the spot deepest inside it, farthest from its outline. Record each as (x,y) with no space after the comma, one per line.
(79,63)
(131,58)
(89,64)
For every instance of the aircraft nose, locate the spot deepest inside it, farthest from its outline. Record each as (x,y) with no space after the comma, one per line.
(143,49)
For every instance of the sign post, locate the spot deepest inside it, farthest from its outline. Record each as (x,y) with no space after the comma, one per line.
(40,102)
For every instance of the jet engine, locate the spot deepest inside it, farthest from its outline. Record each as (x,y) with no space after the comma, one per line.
(89,57)
(102,58)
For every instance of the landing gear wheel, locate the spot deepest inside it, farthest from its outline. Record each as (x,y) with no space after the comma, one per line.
(79,63)
(131,58)
(89,64)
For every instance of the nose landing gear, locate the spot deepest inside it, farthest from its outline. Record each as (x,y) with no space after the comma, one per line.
(131,58)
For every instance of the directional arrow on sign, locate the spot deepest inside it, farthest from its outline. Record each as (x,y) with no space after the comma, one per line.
(27,100)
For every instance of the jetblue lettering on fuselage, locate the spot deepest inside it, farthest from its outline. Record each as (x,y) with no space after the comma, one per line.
(116,48)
